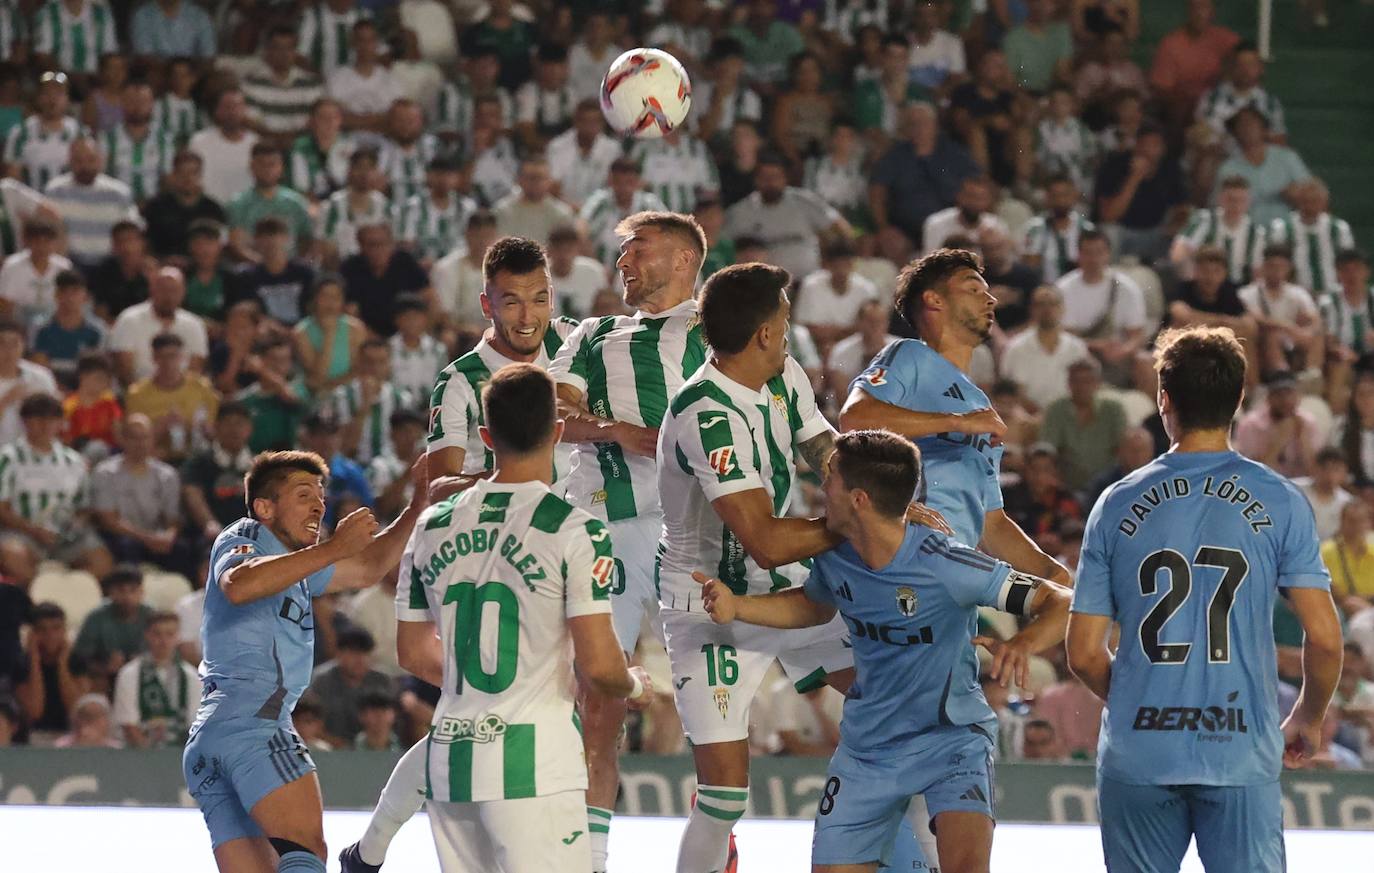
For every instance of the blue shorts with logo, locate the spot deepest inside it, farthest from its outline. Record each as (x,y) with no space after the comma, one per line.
(1146,828)
(864,799)
(233,763)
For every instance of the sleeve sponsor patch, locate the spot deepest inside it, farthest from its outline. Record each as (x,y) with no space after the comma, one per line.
(876,376)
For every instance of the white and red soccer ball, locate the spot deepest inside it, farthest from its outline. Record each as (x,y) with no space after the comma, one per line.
(646,93)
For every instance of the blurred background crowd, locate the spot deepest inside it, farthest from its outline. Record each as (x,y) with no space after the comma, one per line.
(258,224)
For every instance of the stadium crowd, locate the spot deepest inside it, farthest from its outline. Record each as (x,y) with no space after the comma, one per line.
(258,224)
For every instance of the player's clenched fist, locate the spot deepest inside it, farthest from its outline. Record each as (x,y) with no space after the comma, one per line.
(354,533)
(716,598)
(643,693)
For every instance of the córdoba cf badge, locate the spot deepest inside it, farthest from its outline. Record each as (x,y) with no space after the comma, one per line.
(723,701)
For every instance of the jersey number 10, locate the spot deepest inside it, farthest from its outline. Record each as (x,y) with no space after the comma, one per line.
(467,635)
(1180,586)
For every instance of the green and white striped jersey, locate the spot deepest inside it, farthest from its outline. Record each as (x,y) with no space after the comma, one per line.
(549,111)
(76,41)
(41,154)
(405,166)
(338,223)
(1218,105)
(500,568)
(14,29)
(721,438)
(453,108)
(179,116)
(1243,244)
(139,164)
(1349,323)
(1057,250)
(326,36)
(843,186)
(455,405)
(627,368)
(347,401)
(434,232)
(602,214)
(1315,247)
(414,369)
(45,488)
(1070,148)
(315,172)
(676,172)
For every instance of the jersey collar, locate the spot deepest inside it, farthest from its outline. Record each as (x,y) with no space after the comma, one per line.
(687,306)
(739,393)
(495,360)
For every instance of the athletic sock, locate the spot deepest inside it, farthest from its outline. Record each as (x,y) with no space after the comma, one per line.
(299,862)
(599,829)
(706,839)
(401,799)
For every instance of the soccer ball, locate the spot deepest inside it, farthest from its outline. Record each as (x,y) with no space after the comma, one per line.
(646,93)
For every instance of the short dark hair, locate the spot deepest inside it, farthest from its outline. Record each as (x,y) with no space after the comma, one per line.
(125,225)
(69,279)
(1236,182)
(1203,371)
(624,164)
(1351,256)
(684,227)
(1094,235)
(408,302)
(271,225)
(519,407)
(231,408)
(355,639)
(122,575)
(9,325)
(319,423)
(770,158)
(161,615)
(563,233)
(930,274)
(551,53)
(841,246)
(309,704)
(737,300)
(725,47)
(445,163)
(1209,254)
(205,228)
(93,361)
(166,340)
(363,154)
(402,417)
(1278,250)
(40,406)
(376,700)
(1330,454)
(40,226)
(46,611)
(280,29)
(482,218)
(270,471)
(515,255)
(262,149)
(883,465)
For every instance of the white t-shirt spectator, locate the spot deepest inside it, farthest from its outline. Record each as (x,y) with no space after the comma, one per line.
(1292,301)
(848,359)
(532,219)
(458,286)
(578,174)
(819,304)
(1086,304)
(1326,511)
(374,610)
(789,228)
(174,677)
(932,63)
(1042,374)
(364,95)
(190,610)
(942,225)
(136,326)
(574,293)
(29,291)
(226,162)
(36,379)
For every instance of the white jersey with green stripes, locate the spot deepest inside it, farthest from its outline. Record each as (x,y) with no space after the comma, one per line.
(1315,247)
(140,164)
(376,431)
(627,368)
(722,438)
(338,221)
(76,41)
(44,488)
(1241,243)
(41,153)
(455,405)
(676,171)
(500,568)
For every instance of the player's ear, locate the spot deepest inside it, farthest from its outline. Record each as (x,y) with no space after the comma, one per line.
(558,426)
(486,434)
(486,303)
(263,509)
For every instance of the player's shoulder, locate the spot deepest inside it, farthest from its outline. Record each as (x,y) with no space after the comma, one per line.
(555,516)
(560,329)
(701,393)
(244,532)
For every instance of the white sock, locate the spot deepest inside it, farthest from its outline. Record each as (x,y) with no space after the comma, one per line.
(402,797)
(918,814)
(599,829)
(706,840)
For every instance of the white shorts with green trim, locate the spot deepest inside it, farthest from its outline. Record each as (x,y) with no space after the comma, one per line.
(634,597)
(717,668)
(513,836)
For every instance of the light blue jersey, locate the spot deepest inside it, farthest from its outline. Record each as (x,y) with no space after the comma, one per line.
(259,655)
(959,471)
(1187,554)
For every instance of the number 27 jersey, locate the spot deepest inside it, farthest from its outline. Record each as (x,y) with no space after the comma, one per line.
(500,568)
(1188,554)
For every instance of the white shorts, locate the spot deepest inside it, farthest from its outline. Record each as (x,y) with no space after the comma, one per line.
(513,836)
(717,668)
(634,596)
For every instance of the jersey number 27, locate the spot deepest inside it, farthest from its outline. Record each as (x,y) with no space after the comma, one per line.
(1180,586)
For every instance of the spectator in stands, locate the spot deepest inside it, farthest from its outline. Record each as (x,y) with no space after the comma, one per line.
(512,38)
(1127,119)
(792,222)
(837,176)
(176,110)
(374,610)
(803,112)
(1316,236)
(768,44)
(532,211)
(210,285)
(407,150)
(937,56)
(47,692)
(120,279)
(348,487)
(226,147)
(1040,742)
(327,341)
(389,472)
(807,724)
(363,405)
(677,168)
(1229,227)
(356,204)
(1103,306)
(1135,449)
(918,176)
(92,411)
(1277,432)
(1039,502)
(232,364)
(379,272)
(970,215)
(278,400)
(137,152)
(831,297)
(544,104)
(131,337)
(1242,87)
(431,222)
(985,117)
(1273,171)
(212,478)
(456,110)
(1085,427)
(1354,432)
(113,633)
(180,404)
(91,203)
(39,145)
(850,356)
(491,152)
(1040,49)
(1188,61)
(1349,558)
(102,110)
(279,94)
(723,96)
(308,719)
(575,278)
(90,725)
(156,694)
(1290,329)
(1051,239)
(1211,298)
(60,340)
(1107,71)
(1138,194)
(581,156)
(1064,144)
(457,276)
(317,163)
(342,682)
(278,281)
(1325,490)
(268,198)
(1348,317)
(164,29)
(172,214)
(136,500)
(1075,713)
(377,717)
(591,55)
(1039,359)
(877,102)
(365,88)
(19,379)
(739,160)
(28,277)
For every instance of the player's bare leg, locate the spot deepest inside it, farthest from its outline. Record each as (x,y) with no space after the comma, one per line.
(246,855)
(965,842)
(602,721)
(292,817)
(722,793)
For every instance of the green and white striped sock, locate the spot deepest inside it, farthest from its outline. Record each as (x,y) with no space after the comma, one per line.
(599,829)
(706,839)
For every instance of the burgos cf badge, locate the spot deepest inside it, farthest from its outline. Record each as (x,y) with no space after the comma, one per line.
(722,460)
(603,572)
(906,601)
(877,377)
(723,701)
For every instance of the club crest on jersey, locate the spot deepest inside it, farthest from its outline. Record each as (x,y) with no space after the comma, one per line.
(877,377)
(906,601)
(723,701)
(781,403)
(722,460)
(244,549)
(603,572)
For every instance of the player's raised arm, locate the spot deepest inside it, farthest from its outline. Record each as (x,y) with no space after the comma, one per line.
(1048,604)
(790,608)
(864,411)
(771,541)
(418,649)
(1004,539)
(366,566)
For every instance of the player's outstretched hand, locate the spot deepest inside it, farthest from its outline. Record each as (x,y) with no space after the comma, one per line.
(419,481)
(446,486)
(982,421)
(1010,660)
(718,600)
(636,440)
(919,513)
(1301,740)
(354,533)
(647,695)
